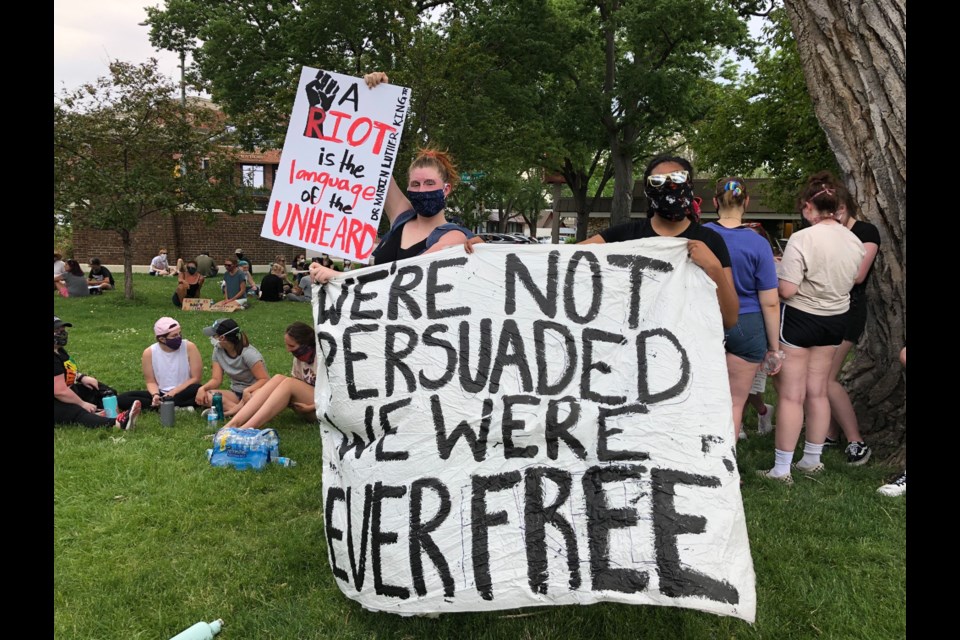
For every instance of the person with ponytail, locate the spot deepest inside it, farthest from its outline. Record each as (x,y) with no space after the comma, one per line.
(675,212)
(417,218)
(294,391)
(242,363)
(818,269)
(755,279)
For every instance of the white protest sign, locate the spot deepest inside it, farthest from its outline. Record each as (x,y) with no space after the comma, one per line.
(336,164)
(529,426)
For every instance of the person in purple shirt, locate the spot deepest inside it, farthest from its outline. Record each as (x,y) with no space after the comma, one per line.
(755,279)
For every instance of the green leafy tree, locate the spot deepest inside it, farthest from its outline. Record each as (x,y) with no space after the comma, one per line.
(656,54)
(248,54)
(126,148)
(761,122)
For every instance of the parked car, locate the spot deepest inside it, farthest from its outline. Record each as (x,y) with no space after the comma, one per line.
(500,238)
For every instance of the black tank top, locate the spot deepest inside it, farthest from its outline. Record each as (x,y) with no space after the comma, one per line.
(391,250)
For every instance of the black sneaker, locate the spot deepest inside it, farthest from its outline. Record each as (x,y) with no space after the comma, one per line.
(857,453)
(127,420)
(830,442)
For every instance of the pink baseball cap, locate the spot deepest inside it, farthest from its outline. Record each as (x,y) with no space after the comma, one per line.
(164,325)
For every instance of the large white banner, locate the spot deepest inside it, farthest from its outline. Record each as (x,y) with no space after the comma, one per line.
(337,160)
(528,426)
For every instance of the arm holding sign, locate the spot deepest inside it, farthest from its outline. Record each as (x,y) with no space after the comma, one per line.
(396,202)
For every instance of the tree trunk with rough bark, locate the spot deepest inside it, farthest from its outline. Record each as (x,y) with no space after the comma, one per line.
(127,264)
(854,60)
(622,203)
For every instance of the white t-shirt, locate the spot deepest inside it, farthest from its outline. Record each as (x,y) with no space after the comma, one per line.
(823,261)
(59,266)
(160,263)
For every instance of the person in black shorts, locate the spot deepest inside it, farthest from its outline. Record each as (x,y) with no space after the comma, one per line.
(818,269)
(674,212)
(841,409)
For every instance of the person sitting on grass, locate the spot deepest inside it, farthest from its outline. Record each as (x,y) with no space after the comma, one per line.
(271,287)
(294,391)
(253,291)
(100,276)
(172,368)
(303,291)
(72,283)
(234,283)
(188,283)
(159,266)
(233,356)
(77,396)
(206,265)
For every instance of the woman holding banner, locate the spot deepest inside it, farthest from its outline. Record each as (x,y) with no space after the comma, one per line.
(819,267)
(417,221)
(675,212)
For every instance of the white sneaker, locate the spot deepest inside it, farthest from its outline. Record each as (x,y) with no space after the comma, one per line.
(765,422)
(743,433)
(896,488)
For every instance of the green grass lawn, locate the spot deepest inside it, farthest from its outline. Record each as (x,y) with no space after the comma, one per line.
(148,538)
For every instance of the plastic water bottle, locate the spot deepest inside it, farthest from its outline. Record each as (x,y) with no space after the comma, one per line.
(772,361)
(258,451)
(271,443)
(200,631)
(284,461)
(213,419)
(110,405)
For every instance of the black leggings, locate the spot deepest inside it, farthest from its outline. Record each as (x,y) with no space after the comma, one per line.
(185,398)
(65,413)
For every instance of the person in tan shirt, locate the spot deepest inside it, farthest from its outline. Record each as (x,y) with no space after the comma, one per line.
(818,269)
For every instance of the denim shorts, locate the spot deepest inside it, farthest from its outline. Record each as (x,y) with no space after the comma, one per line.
(748,339)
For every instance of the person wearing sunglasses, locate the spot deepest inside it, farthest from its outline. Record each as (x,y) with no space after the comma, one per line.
(674,212)
(755,279)
(818,269)
(294,391)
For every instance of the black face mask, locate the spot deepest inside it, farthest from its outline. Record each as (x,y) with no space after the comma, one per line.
(427,203)
(60,339)
(672,201)
(191,270)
